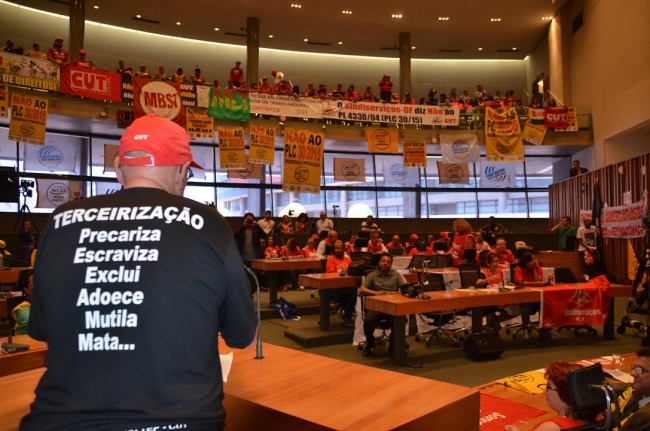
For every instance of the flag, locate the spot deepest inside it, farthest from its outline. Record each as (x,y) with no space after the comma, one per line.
(498,174)
(349,170)
(396,173)
(453,173)
(52,193)
(61,157)
(382,140)
(632,263)
(229,108)
(503,136)
(596,210)
(459,148)
(556,117)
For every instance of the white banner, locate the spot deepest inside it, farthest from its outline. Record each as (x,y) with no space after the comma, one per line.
(349,170)
(52,193)
(622,222)
(391,113)
(203,96)
(104,188)
(61,157)
(396,173)
(285,106)
(459,148)
(498,174)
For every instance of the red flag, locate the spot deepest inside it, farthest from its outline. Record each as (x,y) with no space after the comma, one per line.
(90,83)
(158,97)
(556,117)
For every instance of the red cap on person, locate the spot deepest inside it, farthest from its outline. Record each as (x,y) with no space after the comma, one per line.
(414,236)
(444,235)
(58,39)
(165,142)
(314,236)
(273,71)
(265,79)
(82,52)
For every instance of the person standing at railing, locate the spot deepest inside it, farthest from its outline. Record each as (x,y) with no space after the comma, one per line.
(237,74)
(385,88)
(57,54)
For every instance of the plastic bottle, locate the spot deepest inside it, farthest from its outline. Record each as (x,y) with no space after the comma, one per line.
(551,279)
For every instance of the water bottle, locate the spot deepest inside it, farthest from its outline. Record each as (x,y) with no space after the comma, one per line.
(551,279)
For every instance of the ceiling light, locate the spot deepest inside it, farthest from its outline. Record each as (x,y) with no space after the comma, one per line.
(495,19)
(547,18)
(271,36)
(178,23)
(138,16)
(480,49)
(346,12)
(396,16)
(443,18)
(96,7)
(295,5)
(514,48)
(340,43)
(216,29)
(305,40)
(412,47)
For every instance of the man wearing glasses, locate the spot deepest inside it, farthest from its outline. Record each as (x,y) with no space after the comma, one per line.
(639,404)
(132,290)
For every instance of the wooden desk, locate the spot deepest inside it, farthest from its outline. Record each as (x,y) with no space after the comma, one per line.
(23,361)
(10,276)
(401,306)
(325,282)
(291,390)
(563,259)
(285,265)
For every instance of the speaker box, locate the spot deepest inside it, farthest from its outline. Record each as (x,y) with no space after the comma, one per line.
(484,346)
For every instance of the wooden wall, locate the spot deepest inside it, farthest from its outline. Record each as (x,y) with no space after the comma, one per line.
(568,197)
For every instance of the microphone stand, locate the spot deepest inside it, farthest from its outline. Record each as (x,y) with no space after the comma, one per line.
(336,216)
(258,347)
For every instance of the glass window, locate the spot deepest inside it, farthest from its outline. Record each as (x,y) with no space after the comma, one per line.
(502,204)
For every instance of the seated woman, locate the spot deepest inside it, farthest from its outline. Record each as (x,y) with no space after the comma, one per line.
(528,274)
(492,276)
(559,399)
(301,223)
(21,312)
(285,225)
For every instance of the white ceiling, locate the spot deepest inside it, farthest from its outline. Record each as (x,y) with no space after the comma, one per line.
(363,32)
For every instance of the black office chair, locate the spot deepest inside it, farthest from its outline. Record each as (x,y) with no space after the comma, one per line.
(469,274)
(562,276)
(384,325)
(482,258)
(435,282)
(396,251)
(417,261)
(589,391)
(516,329)
(439,261)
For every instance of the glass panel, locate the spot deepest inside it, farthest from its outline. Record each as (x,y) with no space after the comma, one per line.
(539,171)
(443,205)
(237,201)
(392,173)
(99,147)
(502,204)
(538,204)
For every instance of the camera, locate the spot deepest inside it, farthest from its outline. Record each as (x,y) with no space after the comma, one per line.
(26,184)
(335,206)
(249,221)
(290,213)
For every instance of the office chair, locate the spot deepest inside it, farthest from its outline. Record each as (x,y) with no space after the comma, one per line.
(469,274)
(517,328)
(396,251)
(417,261)
(435,282)
(482,256)
(440,261)
(384,325)
(589,391)
(563,276)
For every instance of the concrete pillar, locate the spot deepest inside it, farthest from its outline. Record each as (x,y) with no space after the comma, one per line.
(559,56)
(404,64)
(77,27)
(252,49)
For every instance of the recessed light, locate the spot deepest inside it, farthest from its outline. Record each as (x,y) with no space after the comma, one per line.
(346,12)
(443,18)
(96,7)
(271,36)
(547,18)
(480,49)
(340,43)
(413,47)
(495,19)
(396,15)
(178,23)
(514,48)
(216,29)
(295,5)
(138,16)
(305,40)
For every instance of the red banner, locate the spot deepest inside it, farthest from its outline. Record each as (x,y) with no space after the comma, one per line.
(158,97)
(576,304)
(92,84)
(497,412)
(556,117)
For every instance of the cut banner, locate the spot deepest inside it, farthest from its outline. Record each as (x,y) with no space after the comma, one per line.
(61,157)
(396,173)
(453,173)
(498,175)
(52,193)
(503,136)
(459,148)
(91,83)
(382,140)
(303,161)
(350,170)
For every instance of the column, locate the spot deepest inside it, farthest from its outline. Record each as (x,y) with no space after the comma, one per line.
(252,49)
(77,26)
(404,64)
(559,58)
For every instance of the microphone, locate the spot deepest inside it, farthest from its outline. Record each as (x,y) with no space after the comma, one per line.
(10,347)
(258,347)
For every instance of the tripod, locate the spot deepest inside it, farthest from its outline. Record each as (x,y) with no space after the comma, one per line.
(24,210)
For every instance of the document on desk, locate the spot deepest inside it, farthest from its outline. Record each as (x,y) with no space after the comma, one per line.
(226,365)
(619,375)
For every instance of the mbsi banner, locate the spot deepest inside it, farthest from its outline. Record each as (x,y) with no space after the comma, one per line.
(158,97)
(498,175)
(459,149)
(93,84)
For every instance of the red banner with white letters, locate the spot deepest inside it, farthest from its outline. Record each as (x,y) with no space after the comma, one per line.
(498,412)
(576,304)
(158,97)
(556,117)
(90,83)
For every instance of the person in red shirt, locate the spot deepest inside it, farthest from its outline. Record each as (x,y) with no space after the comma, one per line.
(265,87)
(271,250)
(292,250)
(528,274)
(369,95)
(310,91)
(408,100)
(419,249)
(463,240)
(285,225)
(349,246)
(395,243)
(505,256)
(236,74)
(413,239)
(310,248)
(352,94)
(375,245)
(385,88)
(338,93)
(57,54)
(322,91)
(82,62)
(197,78)
(284,88)
(338,263)
(394,99)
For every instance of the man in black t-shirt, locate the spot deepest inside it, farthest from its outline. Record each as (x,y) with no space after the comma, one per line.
(132,290)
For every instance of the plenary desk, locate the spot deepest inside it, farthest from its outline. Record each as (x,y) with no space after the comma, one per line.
(285,265)
(325,282)
(23,361)
(451,276)
(290,390)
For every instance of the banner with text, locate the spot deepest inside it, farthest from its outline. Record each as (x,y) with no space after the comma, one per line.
(231,148)
(533,133)
(498,174)
(262,145)
(453,173)
(91,83)
(28,119)
(23,71)
(498,413)
(110,152)
(382,140)
(503,136)
(415,154)
(158,97)
(396,173)
(391,113)
(571,120)
(536,115)
(459,148)
(622,222)
(198,124)
(252,171)
(303,161)
(230,108)
(61,157)
(556,117)
(584,304)
(285,106)
(52,193)
(4,100)
(350,170)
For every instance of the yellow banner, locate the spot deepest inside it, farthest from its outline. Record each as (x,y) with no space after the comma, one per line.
(415,154)
(382,140)
(28,119)
(252,171)
(303,161)
(503,136)
(262,145)
(198,124)
(110,151)
(231,148)
(4,100)
(23,71)
(350,170)
(526,382)
(533,133)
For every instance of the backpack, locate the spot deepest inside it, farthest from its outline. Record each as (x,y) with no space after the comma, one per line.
(288,310)
(358,267)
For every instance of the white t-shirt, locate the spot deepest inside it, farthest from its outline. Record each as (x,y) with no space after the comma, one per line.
(326,224)
(267,226)
(588,235)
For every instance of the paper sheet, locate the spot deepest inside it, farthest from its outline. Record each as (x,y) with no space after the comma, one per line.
(226,364)
(619,375)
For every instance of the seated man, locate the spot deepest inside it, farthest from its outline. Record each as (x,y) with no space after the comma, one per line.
(332,238)
(394,243)
(338,263)
(638,406)
(383,281)
(375,245)
(349,246)
(505,256)
(369,224)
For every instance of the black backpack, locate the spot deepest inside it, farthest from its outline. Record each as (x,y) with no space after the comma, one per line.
(358,267)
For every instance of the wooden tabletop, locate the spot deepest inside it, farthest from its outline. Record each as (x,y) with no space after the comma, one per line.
(23,361)
(291,390)
(336,281)
(284,265)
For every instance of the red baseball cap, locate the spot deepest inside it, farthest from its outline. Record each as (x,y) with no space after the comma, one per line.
(414,236)
(82,51)
(165,141)
(58,39)
(444,235)
(273,71)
